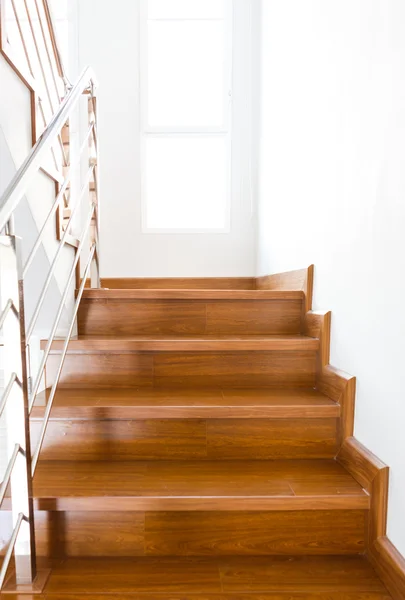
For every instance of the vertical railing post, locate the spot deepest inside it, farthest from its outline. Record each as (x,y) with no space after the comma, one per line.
(17,416)
(94,188)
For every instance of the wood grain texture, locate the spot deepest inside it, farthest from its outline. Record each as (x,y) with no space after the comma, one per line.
(341,387)
(186,343)
(110,317)
(301,279)
(258,533)
(129,295)
(216,578)
(289,280)
(281,438)
(390,566)
(123,440)
(101,370)
(317,324)
(242,369)
(108,439)
(362,464)
(91,533)
(197,485)
(123,317)
(373,475)
(187,403)
(332,382)
(185,369)
(156,283)
(133,533)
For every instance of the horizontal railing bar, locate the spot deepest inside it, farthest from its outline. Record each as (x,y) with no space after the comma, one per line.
(13,379)
(20,182)
(60,310)
(56,257)
(9,306)
(10,548)
(39,58)
(24,45)
(48,54)
(53,210)
(9,470)
(45,122)
(86,139)
(55,44)
(62,361)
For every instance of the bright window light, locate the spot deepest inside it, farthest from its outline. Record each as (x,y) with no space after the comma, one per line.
(185,74)
(186,9)
(186,66)
(186,181)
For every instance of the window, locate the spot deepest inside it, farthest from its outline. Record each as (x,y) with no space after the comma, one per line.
(186,115)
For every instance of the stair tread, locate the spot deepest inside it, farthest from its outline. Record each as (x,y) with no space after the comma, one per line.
(204,485)
(172,343)
(218,578)
(193,403)
(190,294)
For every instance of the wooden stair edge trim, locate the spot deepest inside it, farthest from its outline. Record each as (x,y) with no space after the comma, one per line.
(331,381)
(296,280)
(389,565)
(209,413)
(156,283)
(348,502)
(362,464)
(366,468)
(373,475)
(299,279)
(112,345)
(127,294)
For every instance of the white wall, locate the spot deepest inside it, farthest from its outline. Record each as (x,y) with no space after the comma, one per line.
(332,193)
(109,41)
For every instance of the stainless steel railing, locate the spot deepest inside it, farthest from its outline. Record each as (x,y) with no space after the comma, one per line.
(21,390)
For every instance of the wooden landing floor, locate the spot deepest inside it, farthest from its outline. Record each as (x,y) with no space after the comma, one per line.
(244,578)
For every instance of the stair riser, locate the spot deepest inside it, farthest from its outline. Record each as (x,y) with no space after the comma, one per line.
(62,534)
(188,439)
(132,317)
(276,368)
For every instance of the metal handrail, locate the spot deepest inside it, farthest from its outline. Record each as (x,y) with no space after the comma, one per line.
(9,306)
(9,470)
(13,379)
(56,257)
(21,501)
(10,547)
(24,176)
(61,363)
(59,313)
(8,204)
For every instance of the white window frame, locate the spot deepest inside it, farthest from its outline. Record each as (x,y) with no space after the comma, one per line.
(224,131)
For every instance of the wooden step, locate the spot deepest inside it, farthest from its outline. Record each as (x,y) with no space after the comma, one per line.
(197,485)
(176,424)
(159,508)
(190,294)
(187,361)
(212,578)
(172,403)
(198,312)
(175,283)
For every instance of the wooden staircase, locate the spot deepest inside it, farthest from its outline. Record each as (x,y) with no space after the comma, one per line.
(196,450)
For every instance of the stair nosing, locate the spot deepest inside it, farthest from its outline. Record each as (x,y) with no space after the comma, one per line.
(122,345)
(191,294)
(230,503)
